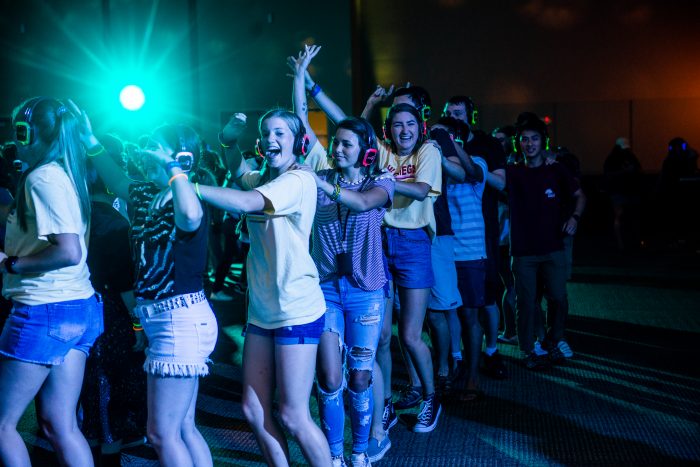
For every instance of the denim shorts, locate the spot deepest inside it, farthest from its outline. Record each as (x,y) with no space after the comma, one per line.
(44,334)
(180,340)
(356,316)
(408,257)
(471,278)
(444,295)
(309,333)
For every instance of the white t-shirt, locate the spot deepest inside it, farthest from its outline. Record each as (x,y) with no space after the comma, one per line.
(52,208)
(283,279)
(423,165)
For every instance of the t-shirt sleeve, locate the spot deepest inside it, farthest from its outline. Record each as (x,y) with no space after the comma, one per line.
(497,156)
(285,194)
(250,180)
(386,184)
(428,168)
(317,158)
(56,205)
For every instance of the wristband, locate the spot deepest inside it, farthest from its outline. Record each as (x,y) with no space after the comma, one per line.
(196,190)
(315,90)
(576,216)
(137,328)
(181,174)
(10,264)
(224,145)
(95,151)
(173,165)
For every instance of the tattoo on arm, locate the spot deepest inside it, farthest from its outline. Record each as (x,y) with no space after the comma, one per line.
(304,107)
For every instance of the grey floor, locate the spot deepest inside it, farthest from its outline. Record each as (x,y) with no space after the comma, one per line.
(631,395)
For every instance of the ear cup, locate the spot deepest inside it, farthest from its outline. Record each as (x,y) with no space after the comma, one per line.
(258,149)
(369,157)
(301,142)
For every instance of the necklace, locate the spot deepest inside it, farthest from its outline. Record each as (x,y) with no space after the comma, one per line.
(348,182)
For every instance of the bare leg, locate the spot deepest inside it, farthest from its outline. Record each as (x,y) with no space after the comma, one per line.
(169,400)
(199,450)
(57,401)
(19,383)
(414,303)
(258,394)
(295,366)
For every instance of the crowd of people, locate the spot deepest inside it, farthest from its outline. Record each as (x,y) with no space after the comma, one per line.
(108,246)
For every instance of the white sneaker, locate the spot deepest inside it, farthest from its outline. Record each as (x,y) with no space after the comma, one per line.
(565,349)
(338,461)
(221,296)
(539,350)
(360,460)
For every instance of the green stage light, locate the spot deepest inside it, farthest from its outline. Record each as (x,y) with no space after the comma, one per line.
(132,97)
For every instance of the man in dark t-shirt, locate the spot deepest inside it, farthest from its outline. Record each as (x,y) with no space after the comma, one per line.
(537,195)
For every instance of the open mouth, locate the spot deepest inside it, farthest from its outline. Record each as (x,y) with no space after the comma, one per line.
(271,152)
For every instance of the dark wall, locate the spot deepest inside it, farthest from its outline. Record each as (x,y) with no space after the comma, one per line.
(599,69)
(194,58)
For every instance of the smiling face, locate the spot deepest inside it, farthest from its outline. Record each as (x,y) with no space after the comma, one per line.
(346,149)
(405,131)
(277,141)
(531,144)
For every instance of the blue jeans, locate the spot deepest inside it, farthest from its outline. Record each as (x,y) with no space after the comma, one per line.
(355,315)
(44,334)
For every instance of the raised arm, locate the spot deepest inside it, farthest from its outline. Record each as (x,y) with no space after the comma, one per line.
(300,65)
(228,137)
(109,171)
(379,95)
(329,107)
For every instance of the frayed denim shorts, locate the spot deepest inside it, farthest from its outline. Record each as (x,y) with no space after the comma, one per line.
(181,335)
(44,334)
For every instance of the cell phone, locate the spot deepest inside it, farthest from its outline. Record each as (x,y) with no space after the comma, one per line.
(185,159)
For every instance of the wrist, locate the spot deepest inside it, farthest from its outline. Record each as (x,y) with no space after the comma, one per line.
(226,143)
(576,217)
(309,85)
(315,90)
(9,264)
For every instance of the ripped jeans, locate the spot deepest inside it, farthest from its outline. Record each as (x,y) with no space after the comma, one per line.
(356,316)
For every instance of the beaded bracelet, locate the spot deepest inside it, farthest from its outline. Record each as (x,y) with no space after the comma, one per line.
(175,176)
(335,196)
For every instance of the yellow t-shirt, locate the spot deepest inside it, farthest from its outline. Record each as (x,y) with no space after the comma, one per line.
(421,166)
(317,158)
(52,208)
(283,279)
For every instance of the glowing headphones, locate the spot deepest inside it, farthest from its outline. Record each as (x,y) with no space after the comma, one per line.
(301,143)
(469,107)
(183,157)
(683,145)
(24,133)
(368,157)
(516,139)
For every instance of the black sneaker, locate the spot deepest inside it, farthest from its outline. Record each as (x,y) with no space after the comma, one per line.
(409,397)
(555,355)
(428,416)
(458,372)
(494,366)
(443,385)
(536,362)
(389,418)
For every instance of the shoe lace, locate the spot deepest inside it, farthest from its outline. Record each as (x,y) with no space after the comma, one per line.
(425,415)
(385,415)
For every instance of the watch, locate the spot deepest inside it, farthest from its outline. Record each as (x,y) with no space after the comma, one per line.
(10,264)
